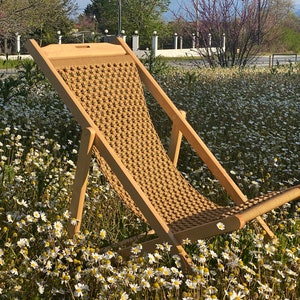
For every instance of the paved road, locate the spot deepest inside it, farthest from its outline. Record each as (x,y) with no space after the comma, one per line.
(275,59)
(259,61)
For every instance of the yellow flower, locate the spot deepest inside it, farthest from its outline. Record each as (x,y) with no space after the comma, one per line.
(202,258)
(134,287)
(149,272)
(34,264)
(79,289)
(186,241)
(36,214)
(176,283)
(136,249)
(145,283)
(102,234)
(124,296)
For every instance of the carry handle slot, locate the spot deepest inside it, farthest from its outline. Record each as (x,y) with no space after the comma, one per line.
(82,46)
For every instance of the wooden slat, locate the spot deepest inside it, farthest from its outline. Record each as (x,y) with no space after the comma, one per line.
(175,142)
(62,51)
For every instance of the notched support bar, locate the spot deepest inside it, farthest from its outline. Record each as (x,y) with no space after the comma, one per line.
(175,142)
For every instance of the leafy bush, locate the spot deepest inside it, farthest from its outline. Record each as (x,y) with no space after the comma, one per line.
(155,64)
(248,118)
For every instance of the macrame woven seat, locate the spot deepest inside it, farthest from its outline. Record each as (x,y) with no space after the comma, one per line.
(117,106)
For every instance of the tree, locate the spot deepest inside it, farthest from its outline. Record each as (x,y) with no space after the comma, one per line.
(246,25)
(145,16)
(54,17)
(289,35)
(106,14)
(38,18)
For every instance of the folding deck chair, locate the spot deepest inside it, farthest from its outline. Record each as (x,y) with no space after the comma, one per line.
(101,84)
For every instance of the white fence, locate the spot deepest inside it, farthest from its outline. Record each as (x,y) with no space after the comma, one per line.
(16,57)
(189,52)
(174,52)
(177,50)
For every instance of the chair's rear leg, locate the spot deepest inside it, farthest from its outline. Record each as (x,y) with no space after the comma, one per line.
(265,227)
(81,179)
(186,260)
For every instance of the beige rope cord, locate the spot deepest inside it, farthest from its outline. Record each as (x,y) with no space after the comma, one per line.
(111,93)
(118,108)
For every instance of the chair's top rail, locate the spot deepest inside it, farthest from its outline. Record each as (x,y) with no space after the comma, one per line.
(65,51)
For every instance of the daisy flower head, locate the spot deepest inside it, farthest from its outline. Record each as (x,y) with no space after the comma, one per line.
(221,226)
(80,289)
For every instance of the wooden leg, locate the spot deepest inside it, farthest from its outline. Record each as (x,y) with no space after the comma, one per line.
(81,179)
(264,225)
(176,138)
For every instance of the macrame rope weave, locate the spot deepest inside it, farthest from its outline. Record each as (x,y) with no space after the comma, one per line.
(111,93)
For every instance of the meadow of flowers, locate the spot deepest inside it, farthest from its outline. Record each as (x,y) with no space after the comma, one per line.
(249,118)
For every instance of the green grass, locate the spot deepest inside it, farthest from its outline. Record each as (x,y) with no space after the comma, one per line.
(250,120)
(9,64)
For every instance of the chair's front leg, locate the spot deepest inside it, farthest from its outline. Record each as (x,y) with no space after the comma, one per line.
(175,142)
(81,179)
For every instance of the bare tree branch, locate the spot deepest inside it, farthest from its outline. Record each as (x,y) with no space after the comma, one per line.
(246,25)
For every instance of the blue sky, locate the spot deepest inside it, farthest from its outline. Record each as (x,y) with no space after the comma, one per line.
(82,4)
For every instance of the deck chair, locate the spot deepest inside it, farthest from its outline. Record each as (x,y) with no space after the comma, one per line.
(102,85)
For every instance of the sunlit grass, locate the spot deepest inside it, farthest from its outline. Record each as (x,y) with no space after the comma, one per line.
(9,63)
(249,118)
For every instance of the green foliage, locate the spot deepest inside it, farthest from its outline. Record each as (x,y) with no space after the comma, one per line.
(9,63)
(27,71)
(285,39)
(8,88)
(291,39)
(144,16)
(27,76)
(140,15)
(39,19)
(38,151)
(156,65)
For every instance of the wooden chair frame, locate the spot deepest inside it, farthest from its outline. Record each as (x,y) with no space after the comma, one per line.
(91,136)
